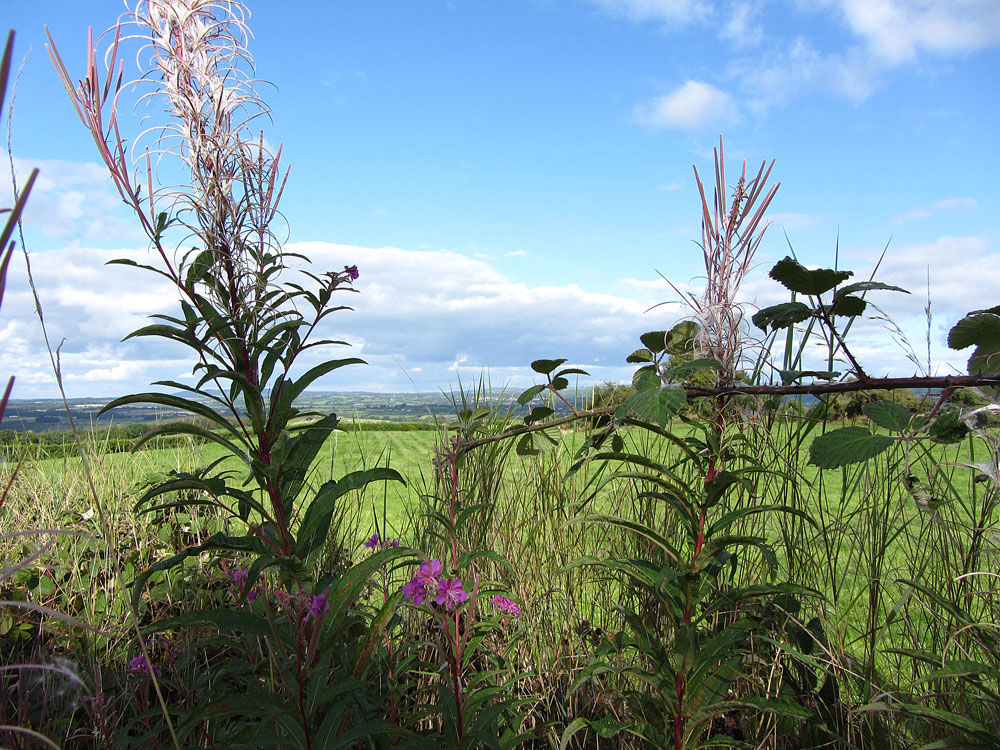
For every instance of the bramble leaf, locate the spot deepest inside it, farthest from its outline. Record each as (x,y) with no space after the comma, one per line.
(781,316)
(680,338)
(546,366)
(797,278)
(981,330)
(848,305)
(845,446)
(888,414)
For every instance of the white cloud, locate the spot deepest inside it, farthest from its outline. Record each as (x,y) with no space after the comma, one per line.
(74,201)
(926,212)
(671,187)
(743,28)
(897,31)
(692,106)
(672,12)
(419,314)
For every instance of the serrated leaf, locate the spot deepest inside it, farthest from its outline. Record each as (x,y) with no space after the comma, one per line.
(559,383)
(948,428)
(867,286)
(640,376)
(655,341)
(656,405)
(686,368)
(538,413)
(888,414)
(680,338)
(981,330)
(781,316)
(797,278)
(848,306)
(529,394)
(846,446)
(639,355)
(546,366)
(533,443)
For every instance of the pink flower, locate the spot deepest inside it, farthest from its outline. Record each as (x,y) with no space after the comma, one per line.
(373,542)
(415,591)
(430,572)
(450,593)
(506,605)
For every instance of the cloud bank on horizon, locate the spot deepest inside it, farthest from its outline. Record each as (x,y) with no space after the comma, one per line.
(511,185)
(426,320)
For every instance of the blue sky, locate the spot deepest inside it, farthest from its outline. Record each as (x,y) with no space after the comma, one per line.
(511,177)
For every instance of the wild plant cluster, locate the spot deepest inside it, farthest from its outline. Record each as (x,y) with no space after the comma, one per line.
(702,559)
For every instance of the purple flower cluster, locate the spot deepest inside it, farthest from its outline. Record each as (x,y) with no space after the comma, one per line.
(428,583)
(239,578)
(304,604)
(139,666)
(376,542)
(506,605)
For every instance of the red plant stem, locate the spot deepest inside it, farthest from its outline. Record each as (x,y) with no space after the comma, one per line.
(456,673)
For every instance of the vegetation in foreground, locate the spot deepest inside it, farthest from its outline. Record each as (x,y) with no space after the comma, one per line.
(674,576)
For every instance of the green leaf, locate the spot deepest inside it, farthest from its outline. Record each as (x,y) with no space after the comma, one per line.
(797,278)
(533,443)
(681,371)
(790,376)
(866,286)
(888,414)
(525,398)
(781,316)
(316,520)
(655,405)
(845,446)
(948,429)
(546,366)
(198,268)
(655,341)
(176,402)
(639,356)
(539,413)
(228,620)
(982,331)
(559,383)
(848,306)
(680,338)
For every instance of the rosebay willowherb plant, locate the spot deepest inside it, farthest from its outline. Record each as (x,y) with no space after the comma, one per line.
(247,327)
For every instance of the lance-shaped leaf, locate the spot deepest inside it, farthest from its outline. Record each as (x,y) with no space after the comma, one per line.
(184,404)
(316,521)
(797,278)
(845,446)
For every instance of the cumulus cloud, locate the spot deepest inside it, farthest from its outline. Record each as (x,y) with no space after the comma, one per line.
(926,212)
(880,35)
(689,107)
(897,31)
(73,201)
